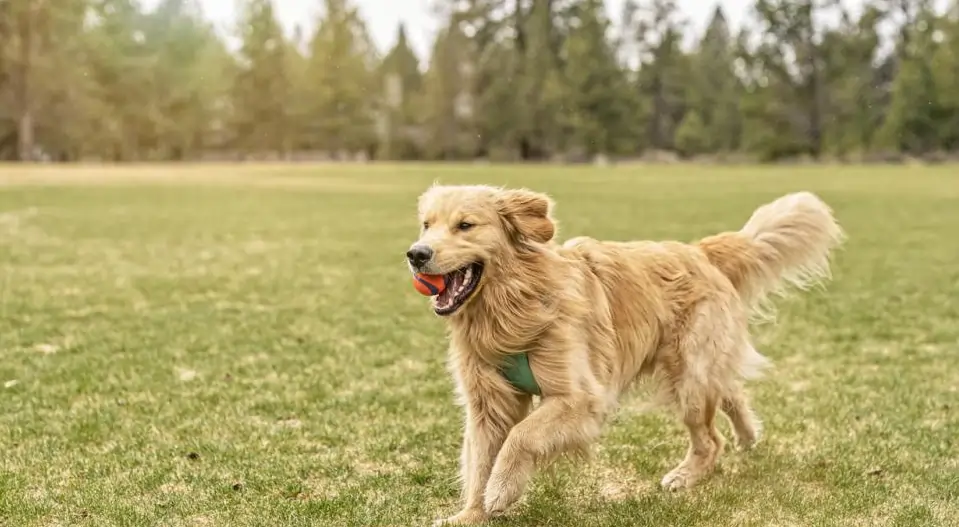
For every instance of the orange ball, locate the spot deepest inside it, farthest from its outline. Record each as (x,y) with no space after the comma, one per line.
(429,284)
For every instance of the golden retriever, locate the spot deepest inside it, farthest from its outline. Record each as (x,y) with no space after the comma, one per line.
(595,316)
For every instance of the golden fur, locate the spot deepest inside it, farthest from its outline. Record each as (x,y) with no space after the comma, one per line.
(596,316)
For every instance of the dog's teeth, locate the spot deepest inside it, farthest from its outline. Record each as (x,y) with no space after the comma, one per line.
(469,273)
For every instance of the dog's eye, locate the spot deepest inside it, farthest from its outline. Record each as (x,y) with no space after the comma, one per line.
(464,226)
(426,225)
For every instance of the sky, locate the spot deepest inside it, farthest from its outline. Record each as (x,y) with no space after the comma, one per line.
(383,16)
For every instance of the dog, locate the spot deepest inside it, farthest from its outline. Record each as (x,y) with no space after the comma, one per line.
(592,318)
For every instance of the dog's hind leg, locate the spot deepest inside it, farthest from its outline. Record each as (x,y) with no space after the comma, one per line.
(735,403)
(698,369)
(745,425)
(705,443)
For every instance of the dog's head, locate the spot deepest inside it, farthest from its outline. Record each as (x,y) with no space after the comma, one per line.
(471,234)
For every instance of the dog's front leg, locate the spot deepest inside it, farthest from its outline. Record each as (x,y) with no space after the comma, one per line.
(558,425)
(486,429)
(480,445)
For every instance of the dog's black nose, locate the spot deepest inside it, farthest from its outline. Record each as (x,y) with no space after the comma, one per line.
(418,255)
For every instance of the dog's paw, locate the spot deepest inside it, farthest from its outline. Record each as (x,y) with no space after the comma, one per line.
(507,482)
(465,517)
(679,478)
(497,504)
(500,494)
(745,445)
(746,442)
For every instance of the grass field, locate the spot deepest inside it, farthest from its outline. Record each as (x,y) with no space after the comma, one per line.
(242,346)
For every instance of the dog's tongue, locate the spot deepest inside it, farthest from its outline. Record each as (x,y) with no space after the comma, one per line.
(454,281)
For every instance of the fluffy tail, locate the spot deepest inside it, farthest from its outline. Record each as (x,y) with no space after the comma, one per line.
(785,243)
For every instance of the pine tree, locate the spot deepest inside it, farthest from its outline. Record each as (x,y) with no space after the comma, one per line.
(402,81)
(915,109)
(121,68)
(536,64)
(657,28)
(261,86)
(299,103)
(341,71)
(855,90)
(449,106)
(39,51)
(63,113)
(714,92)
(598,102)
(189,70)
(508,79)
(946,67)
(769,130)
(692,137)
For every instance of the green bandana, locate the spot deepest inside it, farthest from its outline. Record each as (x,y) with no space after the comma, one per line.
(517,371)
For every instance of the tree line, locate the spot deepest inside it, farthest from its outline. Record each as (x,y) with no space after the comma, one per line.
(505,80)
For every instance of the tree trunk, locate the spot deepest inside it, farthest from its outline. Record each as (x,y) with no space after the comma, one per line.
(25,138)
(816,113)
(522,141)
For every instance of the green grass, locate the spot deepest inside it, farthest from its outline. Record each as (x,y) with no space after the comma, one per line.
(242,346)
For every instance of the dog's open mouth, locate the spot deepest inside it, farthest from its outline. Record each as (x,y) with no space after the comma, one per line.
(460,284)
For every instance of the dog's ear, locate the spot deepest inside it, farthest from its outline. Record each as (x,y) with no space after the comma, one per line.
(528,213)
